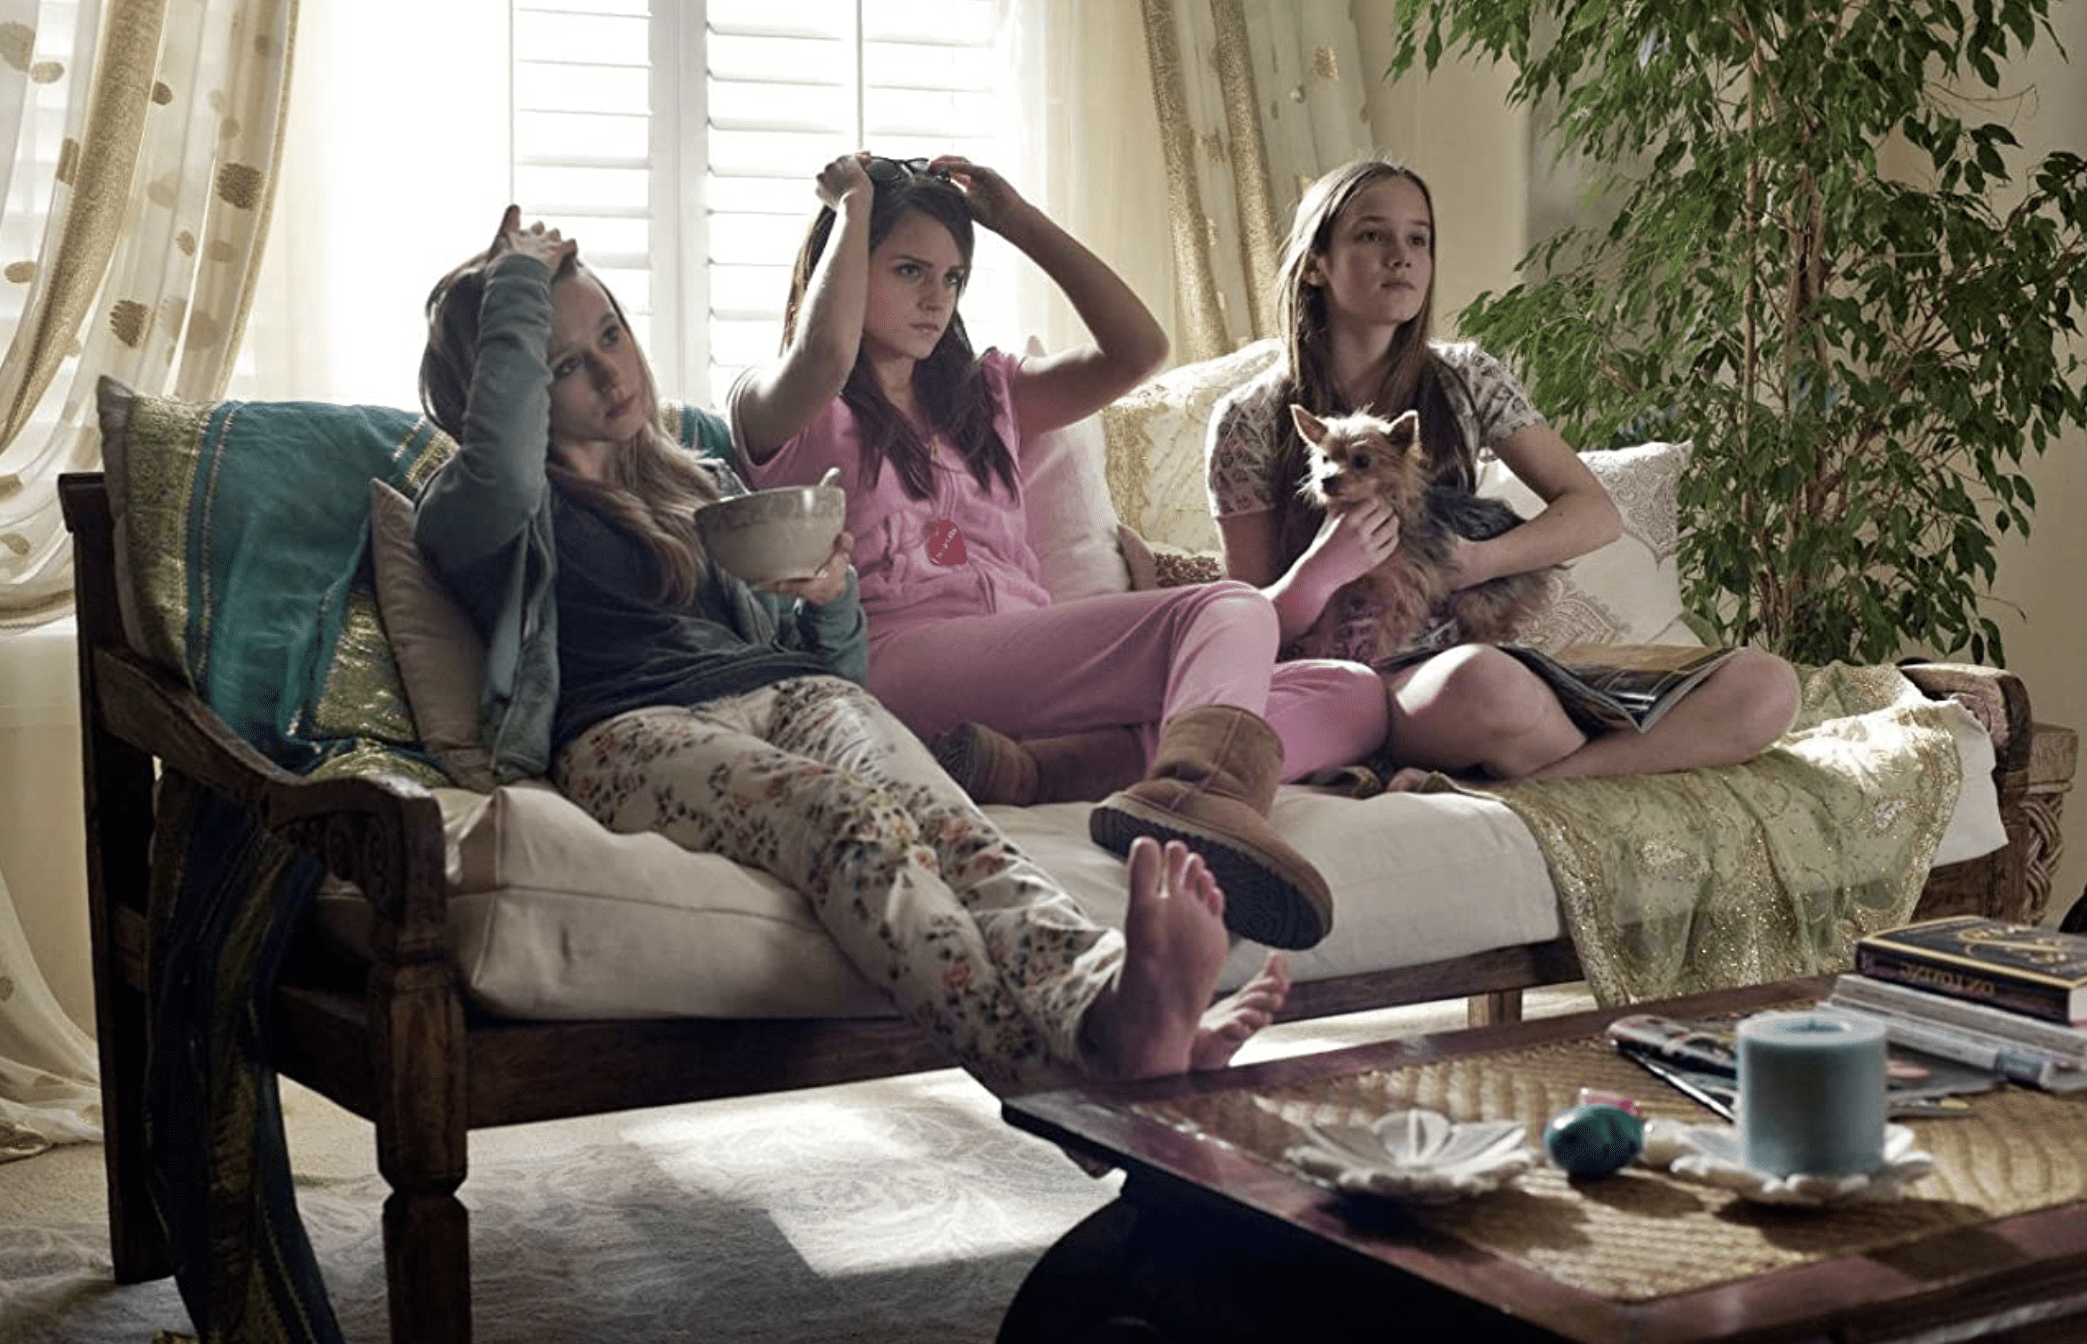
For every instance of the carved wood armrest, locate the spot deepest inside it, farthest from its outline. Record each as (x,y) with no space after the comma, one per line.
(1998,700)
(381,832)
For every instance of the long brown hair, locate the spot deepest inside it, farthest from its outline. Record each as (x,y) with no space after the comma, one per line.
(949,386)
(654,487)
(1414,379)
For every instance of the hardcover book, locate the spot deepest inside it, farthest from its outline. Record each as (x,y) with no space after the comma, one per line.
(2019,967)
(1610,686)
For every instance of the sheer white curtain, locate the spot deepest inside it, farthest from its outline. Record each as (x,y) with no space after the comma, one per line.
(49,1075)
(148,206)
(140,142)
(394,169)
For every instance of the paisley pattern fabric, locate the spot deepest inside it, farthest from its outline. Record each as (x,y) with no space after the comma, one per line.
(1708,879)
(813,781)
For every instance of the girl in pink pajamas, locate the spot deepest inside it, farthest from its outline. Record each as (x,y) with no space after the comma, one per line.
(1167,706)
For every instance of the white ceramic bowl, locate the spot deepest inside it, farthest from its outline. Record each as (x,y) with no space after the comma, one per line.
(773,535)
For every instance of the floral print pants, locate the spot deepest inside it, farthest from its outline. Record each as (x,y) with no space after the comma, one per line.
(815,782)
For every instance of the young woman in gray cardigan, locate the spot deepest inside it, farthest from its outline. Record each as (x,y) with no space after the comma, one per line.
(660,693)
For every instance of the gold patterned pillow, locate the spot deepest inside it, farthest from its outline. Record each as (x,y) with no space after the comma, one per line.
(1156,436)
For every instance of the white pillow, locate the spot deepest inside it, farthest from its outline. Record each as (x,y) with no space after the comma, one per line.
(1629,591)
(1072,521)
(552,915)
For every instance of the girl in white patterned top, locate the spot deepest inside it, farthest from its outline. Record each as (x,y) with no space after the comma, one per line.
(1357,289)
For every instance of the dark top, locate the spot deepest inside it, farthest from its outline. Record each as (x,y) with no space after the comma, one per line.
(619,649)
(562,652)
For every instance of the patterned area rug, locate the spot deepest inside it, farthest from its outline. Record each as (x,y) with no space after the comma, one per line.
(897,1210)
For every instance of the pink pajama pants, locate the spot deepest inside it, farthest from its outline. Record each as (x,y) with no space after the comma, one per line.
(1128,658)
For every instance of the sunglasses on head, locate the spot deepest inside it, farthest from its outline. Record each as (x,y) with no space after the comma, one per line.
(885,171)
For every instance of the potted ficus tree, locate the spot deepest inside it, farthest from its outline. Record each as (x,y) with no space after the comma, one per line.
(1863,358)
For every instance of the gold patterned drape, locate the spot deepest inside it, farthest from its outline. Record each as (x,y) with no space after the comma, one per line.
(1255,98)
(145,137)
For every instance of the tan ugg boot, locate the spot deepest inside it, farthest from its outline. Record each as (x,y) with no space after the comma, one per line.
(1212,785)
(1073,768)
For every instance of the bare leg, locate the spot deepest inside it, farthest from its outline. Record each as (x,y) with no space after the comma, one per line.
(1737,711)
(1149,1022)
(1475,710)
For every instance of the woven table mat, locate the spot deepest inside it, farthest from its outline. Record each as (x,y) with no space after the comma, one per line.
(1642,1233)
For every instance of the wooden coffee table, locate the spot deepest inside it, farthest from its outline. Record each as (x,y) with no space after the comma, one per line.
(1215,1239)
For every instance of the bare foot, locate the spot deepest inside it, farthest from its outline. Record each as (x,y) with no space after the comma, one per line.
(1175,943)
(1228,1023)
(1407,779)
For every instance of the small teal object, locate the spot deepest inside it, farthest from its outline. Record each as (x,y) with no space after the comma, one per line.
(1592,1141)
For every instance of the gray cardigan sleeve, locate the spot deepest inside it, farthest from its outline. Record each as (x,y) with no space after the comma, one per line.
(483,521)
(484,497)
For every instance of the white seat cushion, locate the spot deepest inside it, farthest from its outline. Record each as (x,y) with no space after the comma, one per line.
(554,917)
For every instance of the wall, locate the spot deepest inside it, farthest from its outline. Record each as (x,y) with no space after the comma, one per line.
(42,837)
(2045,630)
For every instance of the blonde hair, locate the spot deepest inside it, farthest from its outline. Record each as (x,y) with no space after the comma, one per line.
(654,486)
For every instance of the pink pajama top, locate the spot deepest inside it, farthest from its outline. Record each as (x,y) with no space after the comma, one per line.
(902,583)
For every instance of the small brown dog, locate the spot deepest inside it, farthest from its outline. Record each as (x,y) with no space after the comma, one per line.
(1360,456)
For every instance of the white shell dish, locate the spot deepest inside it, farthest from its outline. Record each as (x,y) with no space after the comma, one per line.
(1715,1155)
(1417,1155)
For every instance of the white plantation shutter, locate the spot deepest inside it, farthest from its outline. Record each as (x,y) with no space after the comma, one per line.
(678,142)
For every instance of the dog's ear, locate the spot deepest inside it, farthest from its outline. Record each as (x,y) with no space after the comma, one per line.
(1404,432)
(1309,425)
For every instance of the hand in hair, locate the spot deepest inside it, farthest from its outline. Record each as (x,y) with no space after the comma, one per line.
(844,175)
(548,246)
(991,200)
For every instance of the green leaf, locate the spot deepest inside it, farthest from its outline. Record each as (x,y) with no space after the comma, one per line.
(1857,443)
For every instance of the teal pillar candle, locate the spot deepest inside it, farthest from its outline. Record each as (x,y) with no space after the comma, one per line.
(1811,1093)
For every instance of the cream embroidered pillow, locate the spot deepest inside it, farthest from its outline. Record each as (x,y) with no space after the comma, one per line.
(1156,435)
(1629,591)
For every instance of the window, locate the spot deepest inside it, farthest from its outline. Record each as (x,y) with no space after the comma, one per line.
(679,141)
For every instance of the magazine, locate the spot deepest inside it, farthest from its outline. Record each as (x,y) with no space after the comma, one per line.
(1701,1059)
(1605,687)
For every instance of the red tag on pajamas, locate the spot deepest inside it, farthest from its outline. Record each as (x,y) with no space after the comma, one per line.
(946,543)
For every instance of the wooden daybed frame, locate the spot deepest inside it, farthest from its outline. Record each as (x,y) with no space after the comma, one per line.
(395,1041)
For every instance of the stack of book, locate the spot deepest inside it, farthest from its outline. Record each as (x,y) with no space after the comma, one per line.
(2007,997)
